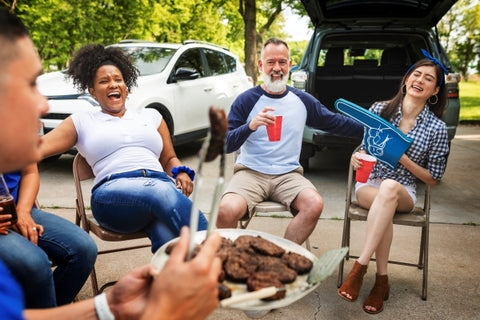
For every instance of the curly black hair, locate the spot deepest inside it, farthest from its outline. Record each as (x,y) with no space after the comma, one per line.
(89,58)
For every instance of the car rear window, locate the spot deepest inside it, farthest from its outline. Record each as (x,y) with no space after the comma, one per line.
(367,50)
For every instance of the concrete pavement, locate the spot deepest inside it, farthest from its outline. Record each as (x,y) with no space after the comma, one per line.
(454,277)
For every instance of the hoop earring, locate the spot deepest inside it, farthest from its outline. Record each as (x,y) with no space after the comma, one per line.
(404,89)
(433,102)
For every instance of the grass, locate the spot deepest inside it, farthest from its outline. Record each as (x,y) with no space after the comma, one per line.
(469,101)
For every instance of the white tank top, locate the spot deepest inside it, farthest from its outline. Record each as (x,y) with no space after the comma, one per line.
(112,144)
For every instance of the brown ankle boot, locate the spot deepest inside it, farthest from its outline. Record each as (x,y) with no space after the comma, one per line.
(353,283)
(379,293)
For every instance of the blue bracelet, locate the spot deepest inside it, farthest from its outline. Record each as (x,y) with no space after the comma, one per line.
(187,170)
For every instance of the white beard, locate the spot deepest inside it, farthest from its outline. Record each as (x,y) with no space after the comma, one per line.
(276,85)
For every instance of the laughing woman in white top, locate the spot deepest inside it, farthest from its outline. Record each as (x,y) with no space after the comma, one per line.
(140,184)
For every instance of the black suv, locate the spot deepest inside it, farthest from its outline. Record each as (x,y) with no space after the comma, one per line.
(360,50)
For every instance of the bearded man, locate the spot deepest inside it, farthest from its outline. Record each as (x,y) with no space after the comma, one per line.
(270,170)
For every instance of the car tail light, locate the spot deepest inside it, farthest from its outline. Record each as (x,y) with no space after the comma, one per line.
(452,77)
(299,79)
(452,80)
(452,93)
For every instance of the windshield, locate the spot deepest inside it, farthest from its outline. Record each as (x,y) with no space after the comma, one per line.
(150,60)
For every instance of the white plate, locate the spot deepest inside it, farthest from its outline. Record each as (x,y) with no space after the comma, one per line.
(295,291)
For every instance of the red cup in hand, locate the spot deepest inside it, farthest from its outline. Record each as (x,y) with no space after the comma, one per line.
(274,130)
(363,172)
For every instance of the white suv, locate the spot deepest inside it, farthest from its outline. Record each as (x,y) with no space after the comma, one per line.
(181,81)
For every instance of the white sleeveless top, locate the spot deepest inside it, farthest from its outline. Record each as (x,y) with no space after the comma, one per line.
(112,144)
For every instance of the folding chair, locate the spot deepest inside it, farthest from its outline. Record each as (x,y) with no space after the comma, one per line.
(267,208)
(418,217)
(81,172)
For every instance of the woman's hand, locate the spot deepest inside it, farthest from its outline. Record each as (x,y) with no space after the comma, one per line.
(184,182)
(355,160)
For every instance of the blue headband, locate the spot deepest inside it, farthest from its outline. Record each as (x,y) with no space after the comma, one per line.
(435,61)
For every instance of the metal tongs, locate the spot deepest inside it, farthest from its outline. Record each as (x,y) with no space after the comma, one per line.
(213,146)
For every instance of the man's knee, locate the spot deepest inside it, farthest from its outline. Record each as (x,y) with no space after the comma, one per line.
(310,201)
(231,209)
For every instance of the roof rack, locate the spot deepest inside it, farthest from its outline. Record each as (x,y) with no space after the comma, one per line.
(136,41)
(205,42)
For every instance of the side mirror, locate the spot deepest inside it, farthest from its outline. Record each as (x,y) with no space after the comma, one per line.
(185,74)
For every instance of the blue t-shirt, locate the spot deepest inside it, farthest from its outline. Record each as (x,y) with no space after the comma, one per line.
(11,296)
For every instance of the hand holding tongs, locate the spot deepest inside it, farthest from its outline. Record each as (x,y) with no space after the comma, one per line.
(213,146)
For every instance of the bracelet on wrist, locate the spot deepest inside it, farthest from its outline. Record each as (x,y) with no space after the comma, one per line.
(101,307)
(187,170)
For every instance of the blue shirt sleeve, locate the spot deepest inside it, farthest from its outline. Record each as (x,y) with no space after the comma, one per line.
(320,117)
(13,180)
(238,130)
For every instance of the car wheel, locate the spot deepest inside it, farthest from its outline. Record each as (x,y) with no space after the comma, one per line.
(165,115)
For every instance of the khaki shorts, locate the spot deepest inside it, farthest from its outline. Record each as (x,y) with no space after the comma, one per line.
(256,187)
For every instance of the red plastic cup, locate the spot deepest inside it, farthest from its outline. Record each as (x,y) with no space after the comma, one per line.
(274,130)
(363,172)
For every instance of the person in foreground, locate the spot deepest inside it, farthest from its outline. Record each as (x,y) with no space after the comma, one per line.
(415,110)
(130,151)
(270,169)
(181,290)
(39,237)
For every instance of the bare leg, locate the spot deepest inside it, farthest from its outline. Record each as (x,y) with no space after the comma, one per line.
(390,196)
(231,209)
(309,204)
(382,203)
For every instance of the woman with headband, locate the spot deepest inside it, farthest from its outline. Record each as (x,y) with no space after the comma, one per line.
(416,110)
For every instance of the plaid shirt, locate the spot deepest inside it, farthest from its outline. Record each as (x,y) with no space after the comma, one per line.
(429,148)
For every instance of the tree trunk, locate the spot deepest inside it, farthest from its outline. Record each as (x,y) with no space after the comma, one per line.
(249,19)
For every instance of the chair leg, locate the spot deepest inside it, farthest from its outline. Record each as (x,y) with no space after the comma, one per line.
(340,273)
(421,260)
(345,243)
(425,262)
(244,223)
(106,285)
(307,244)
(93,278)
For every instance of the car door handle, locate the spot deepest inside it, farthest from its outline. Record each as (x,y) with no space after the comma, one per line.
(208,89)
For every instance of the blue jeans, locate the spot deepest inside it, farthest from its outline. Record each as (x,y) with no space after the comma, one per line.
(72,249)
(143,200)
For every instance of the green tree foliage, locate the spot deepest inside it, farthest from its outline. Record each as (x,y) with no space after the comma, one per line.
(459,31)
(60,27)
